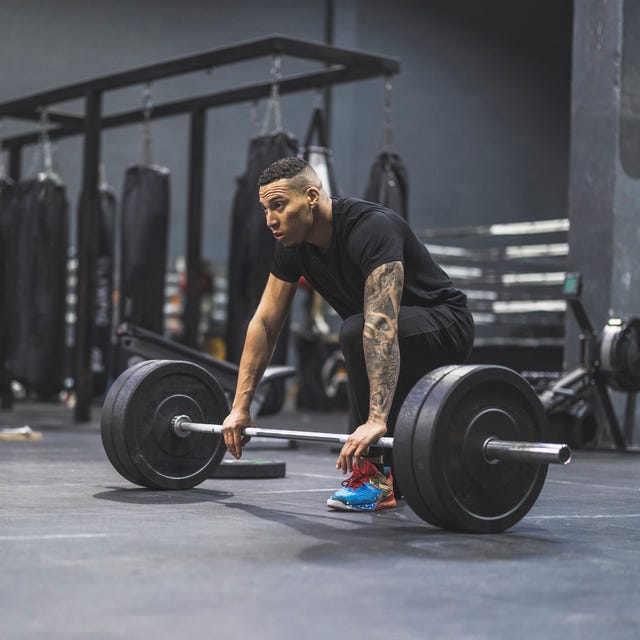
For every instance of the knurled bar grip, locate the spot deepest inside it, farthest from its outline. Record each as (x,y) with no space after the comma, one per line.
(493,449)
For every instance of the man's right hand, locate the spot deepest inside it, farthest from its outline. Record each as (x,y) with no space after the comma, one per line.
(232,428)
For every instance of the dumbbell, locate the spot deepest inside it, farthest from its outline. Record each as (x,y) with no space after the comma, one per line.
(468,446)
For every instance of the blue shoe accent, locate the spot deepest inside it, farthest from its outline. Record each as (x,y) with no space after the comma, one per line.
(366,490)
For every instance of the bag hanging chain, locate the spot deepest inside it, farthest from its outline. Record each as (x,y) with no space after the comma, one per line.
(274,99)
(47,151)
(147,108)
(388,122)
(3,172)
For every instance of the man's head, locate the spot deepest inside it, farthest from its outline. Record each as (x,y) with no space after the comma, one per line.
(290,193)
(298,172)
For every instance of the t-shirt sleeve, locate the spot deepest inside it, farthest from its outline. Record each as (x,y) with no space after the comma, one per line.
(376,240)
(284,265)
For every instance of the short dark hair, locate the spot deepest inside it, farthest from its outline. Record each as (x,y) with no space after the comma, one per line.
(285,168)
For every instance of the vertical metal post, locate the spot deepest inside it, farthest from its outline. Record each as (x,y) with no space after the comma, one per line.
(15,162)
(329,36)
(191,316)
(87,241)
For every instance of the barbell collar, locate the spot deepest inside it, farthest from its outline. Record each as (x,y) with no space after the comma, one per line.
(533,452)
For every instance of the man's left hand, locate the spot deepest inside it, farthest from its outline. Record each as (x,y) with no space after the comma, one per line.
(358,443)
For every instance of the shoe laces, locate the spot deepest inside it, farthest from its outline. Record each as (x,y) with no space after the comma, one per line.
(357,479)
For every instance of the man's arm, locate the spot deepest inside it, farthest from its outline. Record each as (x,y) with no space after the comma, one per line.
(382,295)
(260,342)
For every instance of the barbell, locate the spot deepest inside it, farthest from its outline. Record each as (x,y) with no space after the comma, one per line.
(468,446)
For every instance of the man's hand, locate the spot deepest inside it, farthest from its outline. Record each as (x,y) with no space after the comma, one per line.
(358,443)
(232,428)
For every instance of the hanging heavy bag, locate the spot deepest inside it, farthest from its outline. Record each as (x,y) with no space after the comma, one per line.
(318,154)
(252,244)
(143,246)
(37,291)
(250,256)
(388,183)
(103,310)
(7,270)
(314,348)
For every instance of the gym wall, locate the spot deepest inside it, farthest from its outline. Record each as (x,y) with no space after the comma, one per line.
(480,108)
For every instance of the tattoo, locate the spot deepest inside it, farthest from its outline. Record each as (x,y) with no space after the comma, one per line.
(382,294)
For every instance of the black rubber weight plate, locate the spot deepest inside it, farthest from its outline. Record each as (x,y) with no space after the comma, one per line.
(230,468)
(106,420)
(151,453)
(403,443)
(471,404)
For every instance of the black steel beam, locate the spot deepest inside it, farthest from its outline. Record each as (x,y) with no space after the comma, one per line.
(87,244)
(191,316)
(271,45)
(291,84)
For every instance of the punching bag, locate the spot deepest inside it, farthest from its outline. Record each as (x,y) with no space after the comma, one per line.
(318,154)
(251,246)
(7,271)
(388,183)
(250,256)
(37,291)
(144,226)
(103,310)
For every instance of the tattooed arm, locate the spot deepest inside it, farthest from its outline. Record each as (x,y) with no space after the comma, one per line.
(382,294)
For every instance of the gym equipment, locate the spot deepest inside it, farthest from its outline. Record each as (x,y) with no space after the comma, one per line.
(141,343)
(388,182)
(253,469)
(466,442)
(101,340)
(36,350)
(252,245)
(250,255)
(8,265)
(611,357)
(143,246)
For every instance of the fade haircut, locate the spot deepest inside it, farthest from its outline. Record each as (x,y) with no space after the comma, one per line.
(297,170)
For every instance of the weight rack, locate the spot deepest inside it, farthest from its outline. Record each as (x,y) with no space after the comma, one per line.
(340,66)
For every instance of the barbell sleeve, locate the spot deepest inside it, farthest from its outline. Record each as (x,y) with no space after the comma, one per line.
(534,452)
(493,449)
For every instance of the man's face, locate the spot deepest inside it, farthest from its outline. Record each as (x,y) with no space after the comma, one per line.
(287,211)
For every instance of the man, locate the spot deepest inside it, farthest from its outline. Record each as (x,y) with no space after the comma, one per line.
(402,316)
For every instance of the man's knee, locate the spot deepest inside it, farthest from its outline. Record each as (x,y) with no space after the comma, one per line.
(351,334)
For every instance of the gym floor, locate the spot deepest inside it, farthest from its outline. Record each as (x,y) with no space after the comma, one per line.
(88,555)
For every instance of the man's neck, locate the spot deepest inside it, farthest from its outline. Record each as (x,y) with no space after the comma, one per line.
(323,225)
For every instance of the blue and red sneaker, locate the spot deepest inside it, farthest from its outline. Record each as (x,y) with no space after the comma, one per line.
(366,490)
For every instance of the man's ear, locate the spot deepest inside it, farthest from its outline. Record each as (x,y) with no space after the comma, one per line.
(313,196)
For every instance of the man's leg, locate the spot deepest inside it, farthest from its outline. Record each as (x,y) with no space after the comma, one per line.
(428,338)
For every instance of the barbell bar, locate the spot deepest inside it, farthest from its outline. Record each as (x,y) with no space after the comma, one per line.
(469,446)
(493,448)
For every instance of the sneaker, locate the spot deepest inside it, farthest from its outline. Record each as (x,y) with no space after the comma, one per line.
(366,490)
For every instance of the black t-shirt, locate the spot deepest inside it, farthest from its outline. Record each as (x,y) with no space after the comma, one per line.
(364,236)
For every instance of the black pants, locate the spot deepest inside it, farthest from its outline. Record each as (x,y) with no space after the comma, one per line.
(428,338)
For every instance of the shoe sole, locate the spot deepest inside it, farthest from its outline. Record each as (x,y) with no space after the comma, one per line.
(387,503)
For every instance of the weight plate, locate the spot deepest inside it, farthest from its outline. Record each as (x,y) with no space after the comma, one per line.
(620,354)
(469,405)
(230,468)
(149,450)
(106,420)
(403,435)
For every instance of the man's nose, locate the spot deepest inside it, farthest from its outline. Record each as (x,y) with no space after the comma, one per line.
(271,220)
